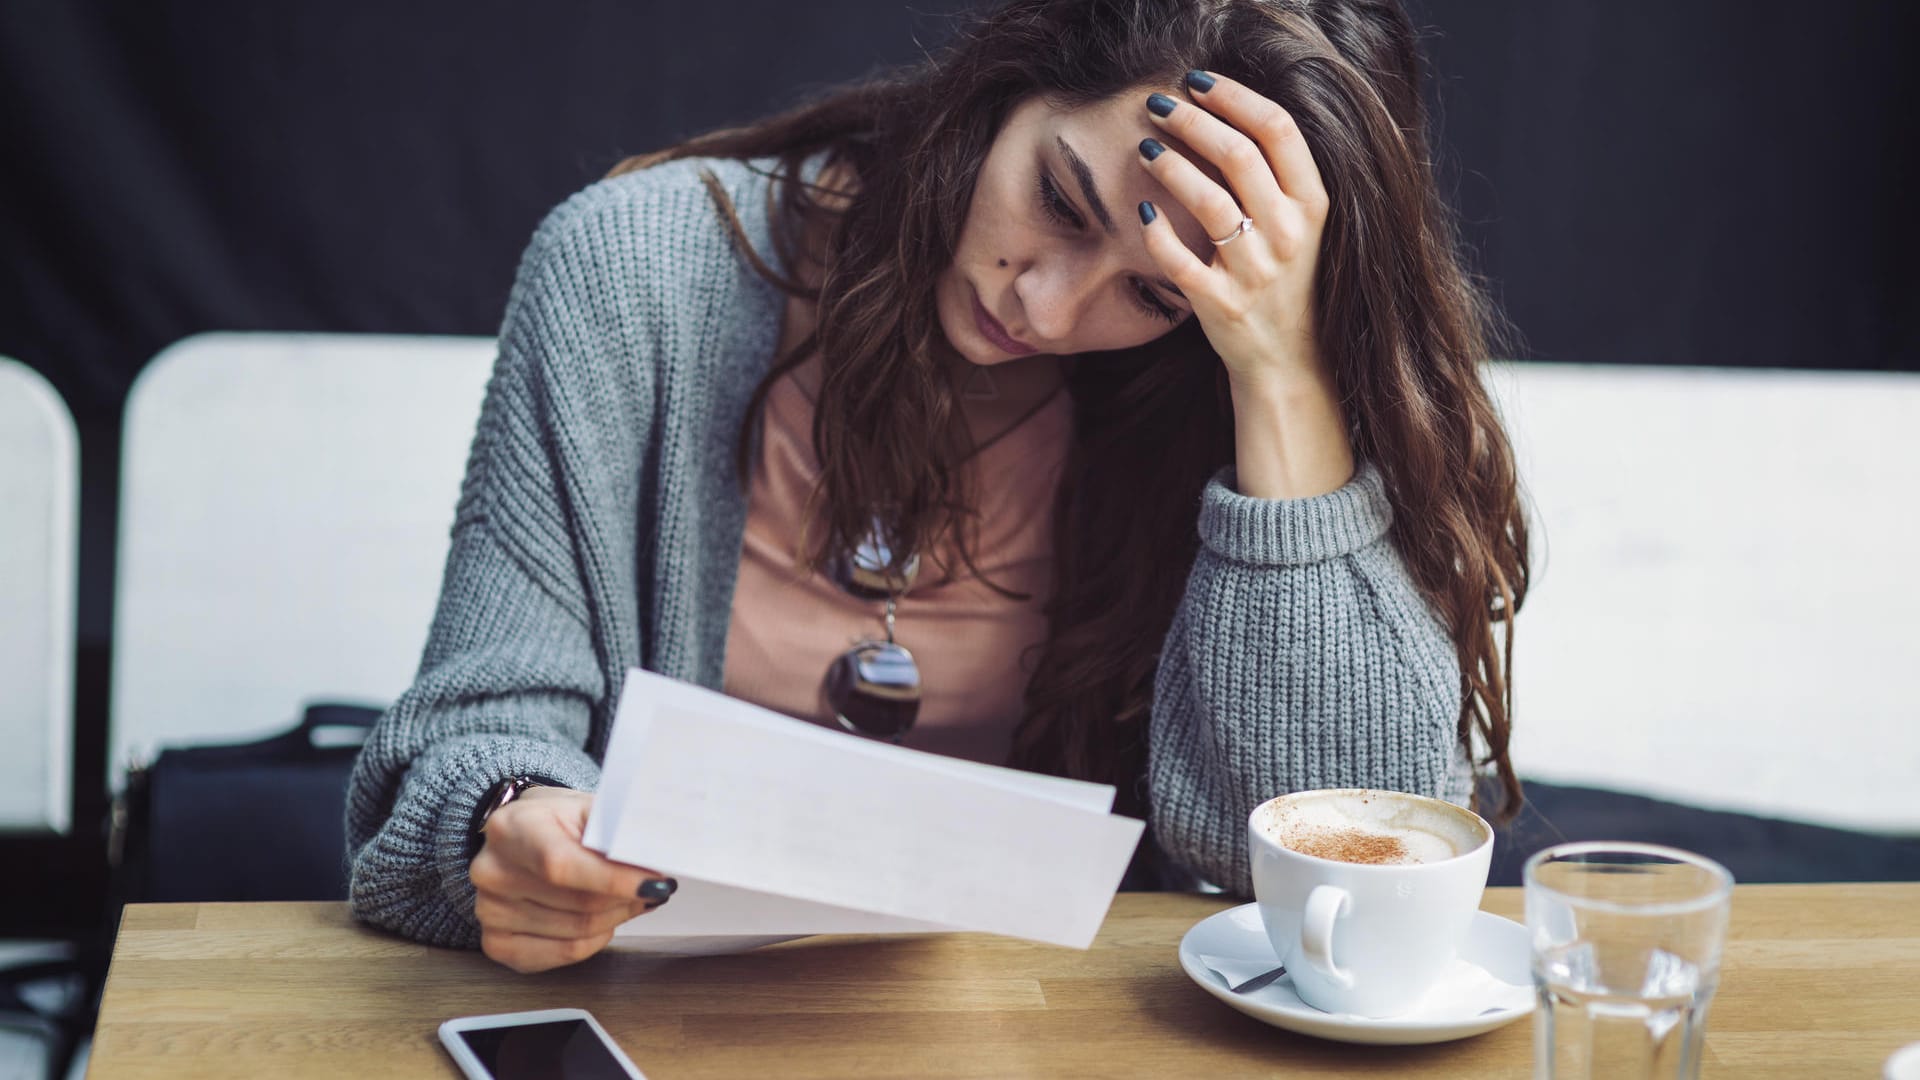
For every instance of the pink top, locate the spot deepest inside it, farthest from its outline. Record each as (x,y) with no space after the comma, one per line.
(786,627)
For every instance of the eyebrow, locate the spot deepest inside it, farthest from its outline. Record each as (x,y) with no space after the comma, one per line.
(1082,173)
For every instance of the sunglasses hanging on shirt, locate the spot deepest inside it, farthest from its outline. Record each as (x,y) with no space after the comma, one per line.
(874,687)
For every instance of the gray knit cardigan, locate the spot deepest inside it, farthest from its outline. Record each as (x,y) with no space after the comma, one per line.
(599,528)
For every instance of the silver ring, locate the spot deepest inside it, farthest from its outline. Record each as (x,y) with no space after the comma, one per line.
(1245,226)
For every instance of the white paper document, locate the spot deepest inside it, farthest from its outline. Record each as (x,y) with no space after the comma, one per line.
(776,827)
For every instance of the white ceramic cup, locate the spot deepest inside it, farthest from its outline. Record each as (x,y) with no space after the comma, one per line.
(1360,938)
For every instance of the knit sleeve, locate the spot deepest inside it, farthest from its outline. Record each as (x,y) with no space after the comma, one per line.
(513,674)
(1301,656)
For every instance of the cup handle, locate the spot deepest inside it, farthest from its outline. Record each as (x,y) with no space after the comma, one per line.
(1325,904)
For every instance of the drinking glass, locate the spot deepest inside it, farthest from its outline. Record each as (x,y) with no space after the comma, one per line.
(1626,956)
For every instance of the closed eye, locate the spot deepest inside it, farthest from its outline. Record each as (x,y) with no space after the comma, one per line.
(1062,213)
(1056,205)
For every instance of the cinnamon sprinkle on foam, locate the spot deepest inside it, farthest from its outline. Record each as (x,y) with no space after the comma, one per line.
(1344,845)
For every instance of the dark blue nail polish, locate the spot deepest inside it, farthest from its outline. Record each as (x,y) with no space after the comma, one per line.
(1160,104)
(658,890)
(1151,148)
(1199,82)
(1146,213)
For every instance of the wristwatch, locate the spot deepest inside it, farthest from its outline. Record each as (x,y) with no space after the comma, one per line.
(496,797)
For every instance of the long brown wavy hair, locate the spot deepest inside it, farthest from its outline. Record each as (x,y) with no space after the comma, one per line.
(1402,322)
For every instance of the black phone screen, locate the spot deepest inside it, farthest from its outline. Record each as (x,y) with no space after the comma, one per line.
(556,1050)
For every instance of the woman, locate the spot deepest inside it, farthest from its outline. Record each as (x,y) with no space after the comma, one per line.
(1021,309)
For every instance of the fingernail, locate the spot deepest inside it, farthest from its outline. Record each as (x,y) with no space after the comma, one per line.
(1199,81)
(1159,104)
(658,890)
(1146,213)
(1151,148)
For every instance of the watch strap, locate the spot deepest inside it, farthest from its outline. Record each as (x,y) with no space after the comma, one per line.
(500,794)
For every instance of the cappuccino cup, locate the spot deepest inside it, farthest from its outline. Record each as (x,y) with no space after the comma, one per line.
(1366,895)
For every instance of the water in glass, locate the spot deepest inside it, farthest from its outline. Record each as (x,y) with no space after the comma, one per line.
(1626,956)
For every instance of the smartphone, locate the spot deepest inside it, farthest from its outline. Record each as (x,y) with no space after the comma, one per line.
(548,1044)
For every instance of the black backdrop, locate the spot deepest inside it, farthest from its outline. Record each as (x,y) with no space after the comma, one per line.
(1722,182)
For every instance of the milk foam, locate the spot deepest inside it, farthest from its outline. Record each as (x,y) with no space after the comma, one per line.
(1426,833)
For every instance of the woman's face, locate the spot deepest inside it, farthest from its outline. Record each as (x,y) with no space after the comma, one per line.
(1052,246)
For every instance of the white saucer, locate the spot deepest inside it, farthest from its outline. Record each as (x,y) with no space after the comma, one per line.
(1495,944)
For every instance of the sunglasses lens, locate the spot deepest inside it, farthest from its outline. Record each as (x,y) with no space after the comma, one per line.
(874,688)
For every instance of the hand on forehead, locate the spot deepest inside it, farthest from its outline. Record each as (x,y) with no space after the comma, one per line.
(1107,135)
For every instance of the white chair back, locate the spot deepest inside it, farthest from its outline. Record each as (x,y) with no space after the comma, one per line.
(285,507)
(1727,581)
(39,507)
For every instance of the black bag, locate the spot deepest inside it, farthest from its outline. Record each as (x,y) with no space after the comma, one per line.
(250,821)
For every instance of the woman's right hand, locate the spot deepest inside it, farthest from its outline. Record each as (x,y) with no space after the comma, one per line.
(543,899)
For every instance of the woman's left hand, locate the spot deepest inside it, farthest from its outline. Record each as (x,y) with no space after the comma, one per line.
(1255,300)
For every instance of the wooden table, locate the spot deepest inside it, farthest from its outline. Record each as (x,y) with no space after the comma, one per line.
(1819,980)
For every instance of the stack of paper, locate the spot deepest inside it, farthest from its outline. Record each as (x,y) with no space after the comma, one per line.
(776,827)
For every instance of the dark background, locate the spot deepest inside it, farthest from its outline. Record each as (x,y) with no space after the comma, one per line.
(1719,182)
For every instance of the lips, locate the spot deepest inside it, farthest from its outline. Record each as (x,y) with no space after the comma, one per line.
(991,329)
